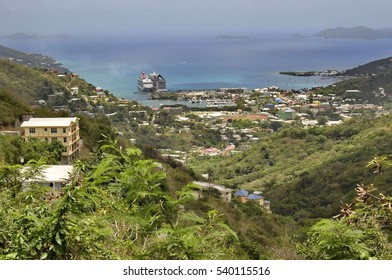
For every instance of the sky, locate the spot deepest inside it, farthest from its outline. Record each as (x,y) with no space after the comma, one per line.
(50,17)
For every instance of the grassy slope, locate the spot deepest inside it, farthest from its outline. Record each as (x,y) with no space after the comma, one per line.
(26,83)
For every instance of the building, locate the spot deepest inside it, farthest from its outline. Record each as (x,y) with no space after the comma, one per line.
(288,114)
(244,196)
(224,193)
(53,176)
(65,130)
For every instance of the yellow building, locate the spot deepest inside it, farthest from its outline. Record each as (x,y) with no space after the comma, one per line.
(65,130)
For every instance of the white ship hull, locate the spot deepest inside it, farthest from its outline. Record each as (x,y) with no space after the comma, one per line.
(151,82)
(144,83)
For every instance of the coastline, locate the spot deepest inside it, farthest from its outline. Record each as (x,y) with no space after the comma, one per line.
(233,63)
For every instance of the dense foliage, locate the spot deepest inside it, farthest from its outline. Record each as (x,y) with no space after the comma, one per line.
(114,207)
(15,150)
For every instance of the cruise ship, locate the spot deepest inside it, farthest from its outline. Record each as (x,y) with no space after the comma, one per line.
(151,82)
(144,82)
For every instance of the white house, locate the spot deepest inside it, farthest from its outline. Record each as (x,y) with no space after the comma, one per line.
(225,193)
(53,176)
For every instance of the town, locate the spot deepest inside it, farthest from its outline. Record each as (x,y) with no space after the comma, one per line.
(255,159)
(225,122)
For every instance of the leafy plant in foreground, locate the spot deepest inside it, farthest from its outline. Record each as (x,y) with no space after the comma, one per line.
(362,230)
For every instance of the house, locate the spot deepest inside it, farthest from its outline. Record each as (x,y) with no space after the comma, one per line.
(257,198)
(331,123)
(308,123)
(74,90)
(352,91)
(210,151)
(65,130)
(53,176)
(224,193)
(244,196)
(288,114)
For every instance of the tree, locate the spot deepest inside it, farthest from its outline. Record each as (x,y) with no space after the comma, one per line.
(322,120)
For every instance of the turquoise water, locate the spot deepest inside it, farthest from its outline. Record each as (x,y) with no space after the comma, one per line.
(200,62)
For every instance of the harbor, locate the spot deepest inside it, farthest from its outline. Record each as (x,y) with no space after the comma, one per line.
(224,97)
(154,85)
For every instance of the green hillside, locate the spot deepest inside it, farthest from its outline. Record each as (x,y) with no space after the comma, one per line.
(21,87)
(28,84)
(381,66)
(306,173)
(11,108)
(32,60)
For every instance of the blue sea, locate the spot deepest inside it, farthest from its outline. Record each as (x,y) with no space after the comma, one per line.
(203,62)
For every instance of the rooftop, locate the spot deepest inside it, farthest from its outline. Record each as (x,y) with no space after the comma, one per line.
(49,122)
(54,173)
(57,173)
(243,193)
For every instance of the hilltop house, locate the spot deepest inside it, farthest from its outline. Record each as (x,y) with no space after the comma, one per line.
(244,196)
(65,130)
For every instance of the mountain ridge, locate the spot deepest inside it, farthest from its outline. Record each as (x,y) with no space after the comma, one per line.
(32,60)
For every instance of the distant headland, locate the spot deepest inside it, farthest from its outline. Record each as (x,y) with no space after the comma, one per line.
(355,33)
(33,60)
(232,37)
(25,36)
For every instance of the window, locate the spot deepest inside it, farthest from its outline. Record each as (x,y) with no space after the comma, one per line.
(53,130)
(32,130)
(46,129)
(64,130)
(65,139)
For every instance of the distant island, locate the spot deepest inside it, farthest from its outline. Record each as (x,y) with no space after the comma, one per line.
(357,33)
(231,37)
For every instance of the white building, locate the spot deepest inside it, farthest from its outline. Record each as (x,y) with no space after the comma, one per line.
(225,193)
(53,176)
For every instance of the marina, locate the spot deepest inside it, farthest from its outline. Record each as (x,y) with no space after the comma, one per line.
(223,97)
